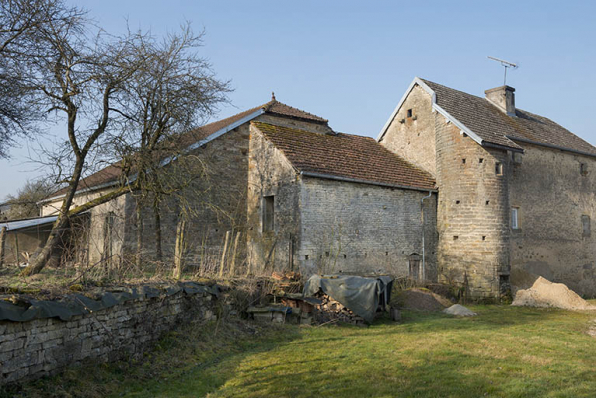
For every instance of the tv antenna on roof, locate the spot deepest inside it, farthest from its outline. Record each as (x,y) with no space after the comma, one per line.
(505,64)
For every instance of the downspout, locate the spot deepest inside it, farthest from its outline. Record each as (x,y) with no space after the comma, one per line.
(423,248)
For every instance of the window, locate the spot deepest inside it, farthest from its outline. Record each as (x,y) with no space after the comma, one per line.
(514,218)
(583,169)
(409,113)
(268,213)
(586,226)
(499,169)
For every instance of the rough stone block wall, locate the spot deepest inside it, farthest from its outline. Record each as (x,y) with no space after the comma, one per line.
(215,201)
(363,229)
(271,174)
(473,212)
(414,139)
(29,350)
(552,195)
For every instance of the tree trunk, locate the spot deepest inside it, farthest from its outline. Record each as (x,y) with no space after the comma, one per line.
(156,213)
(180,248)
(233,265)
(139,214)
(223,254)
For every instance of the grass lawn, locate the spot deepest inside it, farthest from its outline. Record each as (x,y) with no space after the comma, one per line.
(504,352)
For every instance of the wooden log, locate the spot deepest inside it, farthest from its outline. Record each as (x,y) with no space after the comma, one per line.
(16,248)
(233,265)
(2,245)
(223,254)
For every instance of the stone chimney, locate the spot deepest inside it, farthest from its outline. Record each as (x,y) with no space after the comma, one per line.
(503,98)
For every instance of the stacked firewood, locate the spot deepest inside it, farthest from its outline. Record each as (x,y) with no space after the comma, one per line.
(332,311)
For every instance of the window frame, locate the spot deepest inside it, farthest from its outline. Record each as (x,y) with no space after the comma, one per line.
(586,221)
(515,220)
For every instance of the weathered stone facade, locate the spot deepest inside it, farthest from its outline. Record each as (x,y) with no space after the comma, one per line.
(413,137)
(364,229)
(330,226)
(473,212)
(551,190)
(553,195)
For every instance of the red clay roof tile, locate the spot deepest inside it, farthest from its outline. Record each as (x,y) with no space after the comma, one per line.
(346,156)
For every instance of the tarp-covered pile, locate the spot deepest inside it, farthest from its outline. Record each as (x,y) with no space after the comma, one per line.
(362,295)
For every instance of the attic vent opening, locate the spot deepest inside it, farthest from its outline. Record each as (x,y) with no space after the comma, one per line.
(463,161)
(409,113)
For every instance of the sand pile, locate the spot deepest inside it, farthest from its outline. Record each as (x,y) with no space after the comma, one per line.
(420,300)
(544,293)
(459,310)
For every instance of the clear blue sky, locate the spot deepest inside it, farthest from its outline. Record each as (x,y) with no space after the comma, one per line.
(350,61)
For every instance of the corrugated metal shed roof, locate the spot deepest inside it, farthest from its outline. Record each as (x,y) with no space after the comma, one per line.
(31,222)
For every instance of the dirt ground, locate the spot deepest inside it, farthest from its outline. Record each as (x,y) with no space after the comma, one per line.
(420,300)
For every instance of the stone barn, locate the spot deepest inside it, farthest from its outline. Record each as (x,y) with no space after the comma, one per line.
(285,192)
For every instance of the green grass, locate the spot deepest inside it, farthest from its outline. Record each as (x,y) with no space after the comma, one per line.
(504,352)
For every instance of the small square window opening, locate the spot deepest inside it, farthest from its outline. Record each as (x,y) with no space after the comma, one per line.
(499,169)
(409,113)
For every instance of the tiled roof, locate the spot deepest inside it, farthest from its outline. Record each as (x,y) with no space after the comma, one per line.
(496,127)
(278,108)
(113,173)
(346,156)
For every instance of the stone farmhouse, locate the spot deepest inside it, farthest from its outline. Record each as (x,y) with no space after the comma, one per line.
(516,190)
(457,188)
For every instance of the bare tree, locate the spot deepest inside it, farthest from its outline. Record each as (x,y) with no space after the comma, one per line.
(134,96)
(173,92)
(21,25)
(78,78)
(24,203)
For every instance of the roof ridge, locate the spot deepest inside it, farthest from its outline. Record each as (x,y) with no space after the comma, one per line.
(267,107)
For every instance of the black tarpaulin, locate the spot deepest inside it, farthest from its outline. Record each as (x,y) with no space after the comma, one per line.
(362,295)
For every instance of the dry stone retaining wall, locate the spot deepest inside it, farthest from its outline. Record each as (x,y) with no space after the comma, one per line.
(40,347)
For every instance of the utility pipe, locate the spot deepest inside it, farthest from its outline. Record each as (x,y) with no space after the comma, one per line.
(423,248)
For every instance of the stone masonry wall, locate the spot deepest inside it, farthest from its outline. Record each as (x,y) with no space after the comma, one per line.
(414,139)
(40,347)
(552,195)
(473,212)
(364,229)
(271,174)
